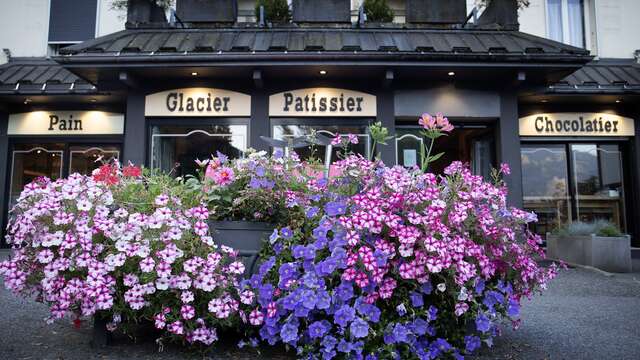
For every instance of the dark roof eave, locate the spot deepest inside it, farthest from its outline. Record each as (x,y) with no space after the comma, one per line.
(338,58)
(592,91)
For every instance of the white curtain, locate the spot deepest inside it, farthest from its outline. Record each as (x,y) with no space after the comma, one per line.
(576,26)
(554,14)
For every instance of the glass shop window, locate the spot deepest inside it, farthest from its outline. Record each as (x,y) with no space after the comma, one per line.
(174,148)
(85,159)
(32,161)
(573,182)
(290,132)
(473,145)
(545,185)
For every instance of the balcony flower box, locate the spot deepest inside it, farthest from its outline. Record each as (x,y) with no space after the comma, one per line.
(436,11)
(207,11)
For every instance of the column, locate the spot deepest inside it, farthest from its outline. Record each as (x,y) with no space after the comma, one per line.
(259,124)
(135,135)
(4,171)
(386,115)
(508,145)
(634,228)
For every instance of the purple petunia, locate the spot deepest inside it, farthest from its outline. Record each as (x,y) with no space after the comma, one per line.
(472,343)
(483,324)
(513,309)
(344,315)
(335,208)
(289,333)
(359,328)
(416,300)
(400,333)
(319,328)
(286,233)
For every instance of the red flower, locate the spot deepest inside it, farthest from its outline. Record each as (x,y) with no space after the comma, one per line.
(131,171)
(107,174)
(77,323)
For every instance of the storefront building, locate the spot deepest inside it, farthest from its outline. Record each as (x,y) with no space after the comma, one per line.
(164,95)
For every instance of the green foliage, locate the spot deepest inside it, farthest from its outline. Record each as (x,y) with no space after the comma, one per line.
(274,10)
(598,227)
(378,11)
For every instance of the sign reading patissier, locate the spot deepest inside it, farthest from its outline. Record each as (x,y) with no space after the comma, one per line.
(198,102)
(322,102)
(576,124)
(66,123)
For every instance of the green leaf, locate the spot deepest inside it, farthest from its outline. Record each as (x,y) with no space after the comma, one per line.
(435,157)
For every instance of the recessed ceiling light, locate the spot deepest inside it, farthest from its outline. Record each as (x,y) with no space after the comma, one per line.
(93,100)
(451,73)
(323,72)
(194,74)
(544,100)
(618,101)
(27,100)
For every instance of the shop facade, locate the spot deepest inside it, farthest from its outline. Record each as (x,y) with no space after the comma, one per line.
(164,97)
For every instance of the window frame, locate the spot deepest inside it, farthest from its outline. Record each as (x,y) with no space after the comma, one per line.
(566,28)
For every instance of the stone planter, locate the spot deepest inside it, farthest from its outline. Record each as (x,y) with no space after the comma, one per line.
(213,11)
(244,236)
(611,254)
(436,11)
(322,11)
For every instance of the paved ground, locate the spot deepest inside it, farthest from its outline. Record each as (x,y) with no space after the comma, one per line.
(584,315)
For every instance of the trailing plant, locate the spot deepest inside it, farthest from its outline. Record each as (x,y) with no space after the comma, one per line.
(274,10)
(378,11)
(123,4)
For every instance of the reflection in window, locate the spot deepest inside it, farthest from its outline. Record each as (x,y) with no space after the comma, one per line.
(31,161)
(545,185)
(363,147)
(85,159)
(175,148)
(597,176)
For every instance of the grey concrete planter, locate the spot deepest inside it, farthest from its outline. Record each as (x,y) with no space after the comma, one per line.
(220,11)
(611,254)
(436,11)
(322,11)
(244,236)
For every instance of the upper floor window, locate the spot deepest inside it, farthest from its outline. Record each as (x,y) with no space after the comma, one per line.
(565,21)
(72,21)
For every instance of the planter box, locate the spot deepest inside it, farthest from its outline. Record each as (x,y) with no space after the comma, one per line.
(611,254)
(140,12)
(436,11)
(322,11)
(244,236)
(220,11)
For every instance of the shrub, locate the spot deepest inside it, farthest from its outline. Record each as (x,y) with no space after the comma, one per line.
(274,10)
(378,11)
(598,227)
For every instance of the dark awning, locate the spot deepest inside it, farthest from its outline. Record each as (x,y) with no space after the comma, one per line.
(604,76)
(40,76)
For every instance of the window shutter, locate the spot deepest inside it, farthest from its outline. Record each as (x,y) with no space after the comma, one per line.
(72,20)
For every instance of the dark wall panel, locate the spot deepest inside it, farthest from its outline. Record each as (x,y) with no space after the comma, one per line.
(72,20)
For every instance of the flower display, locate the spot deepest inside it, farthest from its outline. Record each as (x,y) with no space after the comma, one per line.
(374,262)
(118,245)
(410,265)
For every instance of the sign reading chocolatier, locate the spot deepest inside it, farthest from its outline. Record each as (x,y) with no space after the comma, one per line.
(576,124)
(198,102)
(322,102)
